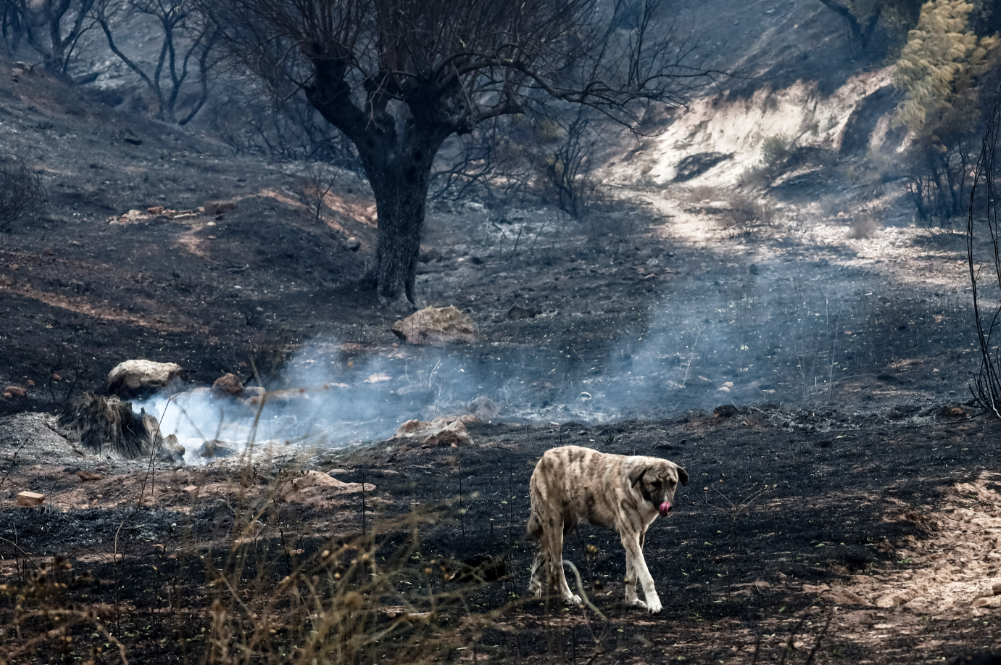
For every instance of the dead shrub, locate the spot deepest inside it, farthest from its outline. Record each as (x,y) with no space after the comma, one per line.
(701,193)
(20,192)
(866,222)
(831,204)
(758,177)
(268,589)
(745,213)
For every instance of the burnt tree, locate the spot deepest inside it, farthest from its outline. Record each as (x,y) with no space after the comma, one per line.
(398,77)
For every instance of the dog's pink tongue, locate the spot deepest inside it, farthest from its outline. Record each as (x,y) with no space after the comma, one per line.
(665,508)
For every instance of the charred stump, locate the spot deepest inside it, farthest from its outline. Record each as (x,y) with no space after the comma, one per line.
(109,424)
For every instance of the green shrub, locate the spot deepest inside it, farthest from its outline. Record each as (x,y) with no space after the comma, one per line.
(776,149)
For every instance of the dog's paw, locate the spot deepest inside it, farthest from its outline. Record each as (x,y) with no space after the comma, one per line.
(636,602)
(535,590)
(654,606)
(574,599)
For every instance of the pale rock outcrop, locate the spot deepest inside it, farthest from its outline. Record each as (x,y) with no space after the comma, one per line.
(442,432)
(314,484)
(436,325)
(141,378)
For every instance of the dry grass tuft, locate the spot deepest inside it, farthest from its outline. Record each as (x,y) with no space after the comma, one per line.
(267,589)
(866,222)
(744,213)
(701,193)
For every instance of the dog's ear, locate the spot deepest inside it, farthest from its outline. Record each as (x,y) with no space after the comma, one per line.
(682,475)
(636,474)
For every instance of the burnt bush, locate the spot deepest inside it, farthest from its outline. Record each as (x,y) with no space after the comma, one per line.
(695,165)
(744,213)
(20,192)
(866,222)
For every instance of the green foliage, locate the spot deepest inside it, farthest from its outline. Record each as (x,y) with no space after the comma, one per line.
(938,64)
(775,149)
(940,70)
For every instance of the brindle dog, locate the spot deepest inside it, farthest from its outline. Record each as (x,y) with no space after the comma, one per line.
(571,484)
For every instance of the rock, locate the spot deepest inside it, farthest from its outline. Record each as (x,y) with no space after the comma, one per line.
(155,210)
(215,448)
(253,394)
(993,602)
(313,478)
(953,412)
(484,408)
(14,391)
(285,397)
(88,476)
(435,325)
(29,499)
(895,599)
(142,378)
(517,313)
(353,244)
(218,207)
(228,384)
(439,433)
(724,411)
(428,254)
(171,450)
(314,483)
(842,596)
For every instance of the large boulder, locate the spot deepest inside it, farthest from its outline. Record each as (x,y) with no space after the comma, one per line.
(142,378)
(484,408)
(436,325)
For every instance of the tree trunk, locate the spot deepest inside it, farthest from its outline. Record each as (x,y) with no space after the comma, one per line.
(400,185)
(400,203)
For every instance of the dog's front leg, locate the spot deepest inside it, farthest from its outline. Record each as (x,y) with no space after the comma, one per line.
(630,580)
(640,573)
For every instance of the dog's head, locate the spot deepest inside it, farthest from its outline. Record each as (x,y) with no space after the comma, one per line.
(657,480)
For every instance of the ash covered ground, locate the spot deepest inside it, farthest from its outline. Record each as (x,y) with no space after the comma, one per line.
(849,499)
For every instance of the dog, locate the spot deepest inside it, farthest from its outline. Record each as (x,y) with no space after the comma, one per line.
(618,492)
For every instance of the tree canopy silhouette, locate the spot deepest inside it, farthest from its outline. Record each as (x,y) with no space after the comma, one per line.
(398,77)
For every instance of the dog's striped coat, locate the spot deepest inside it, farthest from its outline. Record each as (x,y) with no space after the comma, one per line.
(572,484)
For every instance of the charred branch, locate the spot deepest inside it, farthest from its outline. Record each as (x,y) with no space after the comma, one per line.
(986,386)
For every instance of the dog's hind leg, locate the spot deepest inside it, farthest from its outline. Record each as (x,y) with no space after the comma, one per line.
(540,568)
(555,541)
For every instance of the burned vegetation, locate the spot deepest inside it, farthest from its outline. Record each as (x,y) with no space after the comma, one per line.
(293,306)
